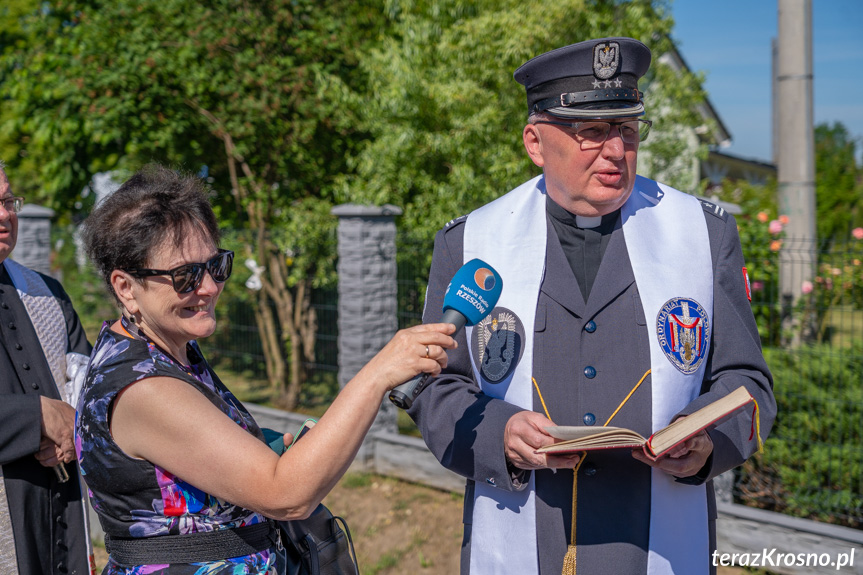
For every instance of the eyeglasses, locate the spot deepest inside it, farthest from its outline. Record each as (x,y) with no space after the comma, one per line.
(13,204)
(592,135)
(188,277)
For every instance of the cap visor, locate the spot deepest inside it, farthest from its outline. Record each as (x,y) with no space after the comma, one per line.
(604,110)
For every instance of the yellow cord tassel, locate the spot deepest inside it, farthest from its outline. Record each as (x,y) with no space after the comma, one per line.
(757,416)
(569,561)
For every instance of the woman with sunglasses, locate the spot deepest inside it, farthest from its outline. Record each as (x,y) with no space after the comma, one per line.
(177,468)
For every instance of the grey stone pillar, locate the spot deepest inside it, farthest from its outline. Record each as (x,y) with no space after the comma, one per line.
(723,487)
(367,292)
(33,248)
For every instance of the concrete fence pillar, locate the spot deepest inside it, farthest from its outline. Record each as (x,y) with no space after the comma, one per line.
(367,293)
(33,248)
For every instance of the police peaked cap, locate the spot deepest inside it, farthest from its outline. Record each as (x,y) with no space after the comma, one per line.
(591,79)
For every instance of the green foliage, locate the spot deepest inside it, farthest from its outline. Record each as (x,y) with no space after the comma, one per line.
(812,465)
(263,94)
(445,115)
(82,282)
(839,183)
(760,251)
(106,85)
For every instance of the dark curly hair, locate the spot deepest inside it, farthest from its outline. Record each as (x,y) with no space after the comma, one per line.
(155,205)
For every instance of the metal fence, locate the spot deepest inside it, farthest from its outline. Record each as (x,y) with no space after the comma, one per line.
(808,302)
(812,465)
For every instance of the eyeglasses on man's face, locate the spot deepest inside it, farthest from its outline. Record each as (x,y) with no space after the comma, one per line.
(188,277)
(12,204)
(593,134)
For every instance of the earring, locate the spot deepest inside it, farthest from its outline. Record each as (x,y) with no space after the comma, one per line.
(132,319)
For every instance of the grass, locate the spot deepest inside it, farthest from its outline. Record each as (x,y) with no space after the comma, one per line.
(394,557)
(845,325)
(356,480)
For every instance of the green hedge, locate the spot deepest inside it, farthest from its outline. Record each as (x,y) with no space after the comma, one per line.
(812,465)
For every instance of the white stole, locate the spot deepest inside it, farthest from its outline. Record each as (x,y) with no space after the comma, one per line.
(670,254)
(669,249)
(509,234)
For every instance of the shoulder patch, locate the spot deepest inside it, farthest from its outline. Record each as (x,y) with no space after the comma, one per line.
(714,209)
(457,220)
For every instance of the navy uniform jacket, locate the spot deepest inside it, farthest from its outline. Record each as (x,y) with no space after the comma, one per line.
(464,428)
(47,516)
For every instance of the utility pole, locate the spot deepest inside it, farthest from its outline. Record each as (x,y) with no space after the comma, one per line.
(795,154)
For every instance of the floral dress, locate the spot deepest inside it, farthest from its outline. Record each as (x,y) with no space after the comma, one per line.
(135,498)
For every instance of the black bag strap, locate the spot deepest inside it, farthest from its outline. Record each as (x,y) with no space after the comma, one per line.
(193,547)
(350,539)
(314,560)
(312,546)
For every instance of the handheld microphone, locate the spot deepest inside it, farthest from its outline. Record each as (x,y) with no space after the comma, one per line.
(471,295)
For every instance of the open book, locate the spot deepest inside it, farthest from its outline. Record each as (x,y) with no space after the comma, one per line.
(581,438)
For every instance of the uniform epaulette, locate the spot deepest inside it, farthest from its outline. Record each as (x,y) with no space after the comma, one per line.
(714,209)
(457,220)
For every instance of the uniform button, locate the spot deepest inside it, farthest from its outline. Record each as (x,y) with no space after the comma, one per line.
(26,366)
(590,326)
(57,495)
(589,372)
(11,325)
(590,469)
(34,385)
(589,419)
(61,566)
(4,306)
(18,346)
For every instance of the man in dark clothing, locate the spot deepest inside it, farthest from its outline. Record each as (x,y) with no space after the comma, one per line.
(42,345)
(624,303)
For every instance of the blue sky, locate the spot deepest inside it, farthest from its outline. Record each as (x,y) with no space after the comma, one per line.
(729,41)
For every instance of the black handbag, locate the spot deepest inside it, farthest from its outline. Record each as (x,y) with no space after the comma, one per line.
(319,545)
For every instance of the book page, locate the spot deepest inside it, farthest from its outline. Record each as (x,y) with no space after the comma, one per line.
(569,432)
(582,438)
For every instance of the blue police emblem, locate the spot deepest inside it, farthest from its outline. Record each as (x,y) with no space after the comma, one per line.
(498,344)
(683,330)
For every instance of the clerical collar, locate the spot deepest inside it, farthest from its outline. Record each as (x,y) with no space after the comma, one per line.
(565,217)
(588,222)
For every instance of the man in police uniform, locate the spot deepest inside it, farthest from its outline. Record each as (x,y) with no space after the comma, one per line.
(625,303)
(41,345)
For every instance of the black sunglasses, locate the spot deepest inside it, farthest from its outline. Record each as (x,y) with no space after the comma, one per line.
(188,277)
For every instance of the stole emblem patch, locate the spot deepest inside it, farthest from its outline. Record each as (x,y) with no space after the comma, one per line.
(498,344)
(683,330)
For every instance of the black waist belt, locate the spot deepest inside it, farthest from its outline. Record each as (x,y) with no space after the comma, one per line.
(193,547)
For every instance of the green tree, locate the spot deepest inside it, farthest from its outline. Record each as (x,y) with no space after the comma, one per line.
(295,105)
(13,37)
(446,115)
(262,93)
(838,185)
